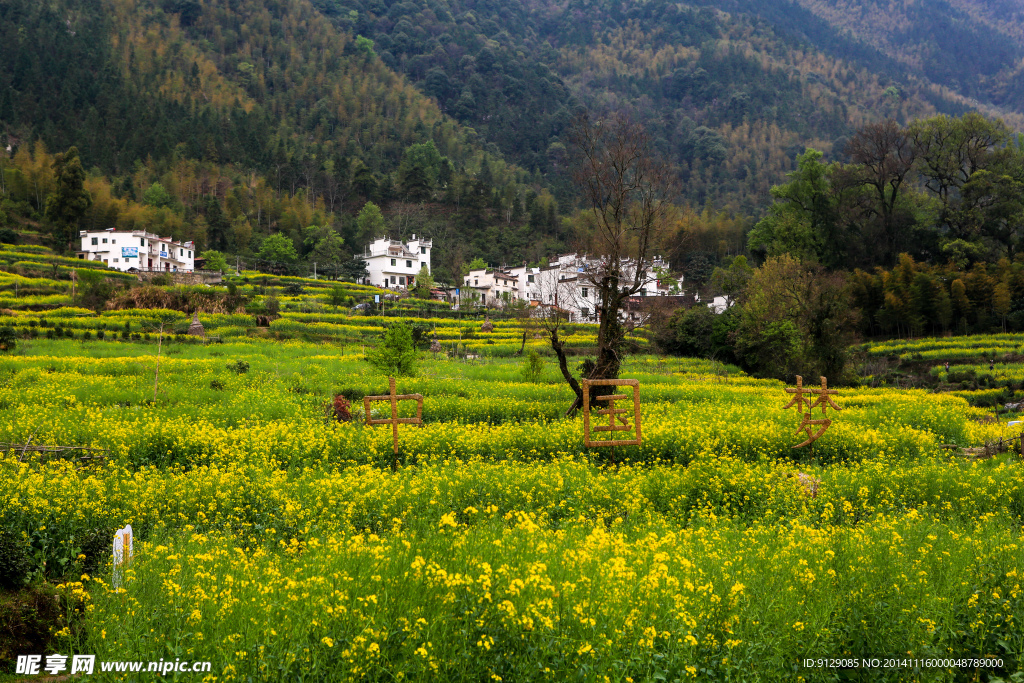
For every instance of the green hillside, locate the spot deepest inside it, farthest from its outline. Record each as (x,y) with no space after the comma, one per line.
(731,98)
(245,105)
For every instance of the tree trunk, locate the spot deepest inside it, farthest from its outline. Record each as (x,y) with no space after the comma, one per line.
(609,335)
(523,345)
(563,364)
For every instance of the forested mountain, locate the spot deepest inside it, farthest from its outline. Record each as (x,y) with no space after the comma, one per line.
(228,100)
(972,47)
(731,98)
(452,115)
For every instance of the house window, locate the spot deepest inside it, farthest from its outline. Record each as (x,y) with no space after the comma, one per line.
(95,240)
(181,252)
(142,241)
(190,254)
(115,260)
(401,280)
(585,312)
(392,263)
(408,264)
(585,293)
(476,282)
(423,250)
(529,278)
(113,241)
(392,279)
(104,240)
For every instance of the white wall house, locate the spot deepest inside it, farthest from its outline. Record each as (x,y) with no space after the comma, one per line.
(138,250)
(394,264)
(568,284)
(493,286)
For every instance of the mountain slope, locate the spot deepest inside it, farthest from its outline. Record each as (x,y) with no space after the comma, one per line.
(220,98)
(969,51)
(728,97)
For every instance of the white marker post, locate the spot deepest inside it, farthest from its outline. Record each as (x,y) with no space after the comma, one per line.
(124,548)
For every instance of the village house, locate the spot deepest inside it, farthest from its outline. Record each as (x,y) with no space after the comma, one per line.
(394,264)
(493,287)
(137,250)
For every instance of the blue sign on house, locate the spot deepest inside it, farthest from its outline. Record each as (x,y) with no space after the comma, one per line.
(163,254)
(129,252)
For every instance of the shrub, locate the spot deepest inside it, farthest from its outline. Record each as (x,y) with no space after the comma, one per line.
(533,366)
(14,561)
(217,385)
(100,334)
(239,366)
(395,353)
(8,339)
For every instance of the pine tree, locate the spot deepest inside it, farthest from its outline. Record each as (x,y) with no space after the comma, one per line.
(69,201)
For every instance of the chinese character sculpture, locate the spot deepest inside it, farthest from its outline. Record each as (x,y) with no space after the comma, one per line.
(802,401)
(394,420)
(614,414)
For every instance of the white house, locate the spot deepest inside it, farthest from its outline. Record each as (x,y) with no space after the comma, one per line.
(394,264)
(495,287)
(137,250)
(569,283)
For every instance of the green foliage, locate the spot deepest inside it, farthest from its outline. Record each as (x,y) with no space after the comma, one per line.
(8,338)
(732,280)
(916,298)
(688,332)
(533,366)
(69,200)
(394,355)
(424,283)
(802,220)
(215,260)
(279,248)
(156,195)
(328,247)
(95,289)
(370,222)
(337,296)
(365,46)
(795,319)
(15,564)
(239,367)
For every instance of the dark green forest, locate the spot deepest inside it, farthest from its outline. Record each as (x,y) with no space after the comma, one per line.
(257,118)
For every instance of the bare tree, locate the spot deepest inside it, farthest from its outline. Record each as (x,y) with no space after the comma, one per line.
(626,191)
(885,155)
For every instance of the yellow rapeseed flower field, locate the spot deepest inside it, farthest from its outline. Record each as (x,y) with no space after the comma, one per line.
(278,544)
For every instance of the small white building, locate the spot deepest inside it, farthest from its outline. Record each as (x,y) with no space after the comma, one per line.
(394,264)
(137,250)
(569,283)
(493,286)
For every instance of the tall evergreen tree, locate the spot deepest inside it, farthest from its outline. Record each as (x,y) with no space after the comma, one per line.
(69,201)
